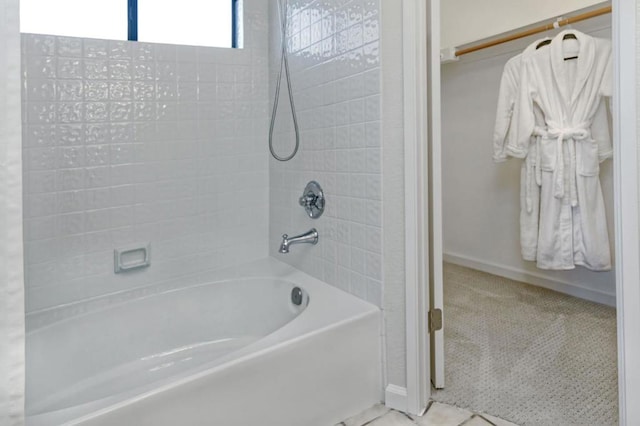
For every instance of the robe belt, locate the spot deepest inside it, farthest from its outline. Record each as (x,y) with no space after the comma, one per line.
(532,167)
(571,135)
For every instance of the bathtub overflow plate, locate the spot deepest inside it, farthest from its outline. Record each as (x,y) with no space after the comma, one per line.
(296,296)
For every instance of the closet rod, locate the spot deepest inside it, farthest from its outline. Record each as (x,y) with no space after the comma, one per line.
(536,30)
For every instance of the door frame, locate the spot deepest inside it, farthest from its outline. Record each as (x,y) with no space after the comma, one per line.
(416,204)
(626,196)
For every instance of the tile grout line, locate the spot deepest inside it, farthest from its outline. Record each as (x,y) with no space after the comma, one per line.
(473,416)
(466,421)
(406,415)
(429,405)
(485,419)
(373,420)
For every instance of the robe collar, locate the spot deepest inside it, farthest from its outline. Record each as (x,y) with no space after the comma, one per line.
(534,46)
(586,58)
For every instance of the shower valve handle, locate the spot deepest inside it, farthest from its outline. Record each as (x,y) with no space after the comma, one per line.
(308,200)
(312,200)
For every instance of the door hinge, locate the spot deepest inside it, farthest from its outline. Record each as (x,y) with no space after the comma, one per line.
(435,320)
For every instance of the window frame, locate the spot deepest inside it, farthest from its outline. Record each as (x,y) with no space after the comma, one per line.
(132,21)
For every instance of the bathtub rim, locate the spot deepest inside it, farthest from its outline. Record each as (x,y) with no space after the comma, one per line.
(274,268)
(161,292)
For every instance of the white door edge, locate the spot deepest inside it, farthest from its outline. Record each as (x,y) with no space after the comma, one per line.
(434,215)
(414,43)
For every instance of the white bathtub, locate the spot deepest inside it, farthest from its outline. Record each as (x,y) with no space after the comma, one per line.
(236,351)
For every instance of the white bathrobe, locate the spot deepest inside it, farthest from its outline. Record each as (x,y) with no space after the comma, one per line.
(572,227)
(529,185)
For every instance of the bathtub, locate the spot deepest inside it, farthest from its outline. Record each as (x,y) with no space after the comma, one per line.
(233,351)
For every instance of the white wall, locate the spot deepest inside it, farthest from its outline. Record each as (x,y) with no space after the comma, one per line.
(335,64)
(12,324)
(467,21)
(129,142)
(481,199)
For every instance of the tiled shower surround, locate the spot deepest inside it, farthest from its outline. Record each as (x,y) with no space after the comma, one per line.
(335,64)
(134,143)
(128,143)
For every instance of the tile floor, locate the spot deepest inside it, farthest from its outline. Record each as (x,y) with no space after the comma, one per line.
(436,415)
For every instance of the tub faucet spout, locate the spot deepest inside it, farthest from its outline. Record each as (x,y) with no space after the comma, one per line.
(310,237)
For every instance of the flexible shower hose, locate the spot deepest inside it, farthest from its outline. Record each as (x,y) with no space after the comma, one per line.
(284,66)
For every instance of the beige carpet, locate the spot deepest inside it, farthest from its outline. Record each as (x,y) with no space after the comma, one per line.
(526,354)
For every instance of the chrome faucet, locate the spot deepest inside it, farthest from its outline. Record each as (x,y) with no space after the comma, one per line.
(310,237)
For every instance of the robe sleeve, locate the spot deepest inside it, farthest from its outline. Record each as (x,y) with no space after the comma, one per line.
(524,115)
(601,126)
(506,100)
(601,130)
(606,86)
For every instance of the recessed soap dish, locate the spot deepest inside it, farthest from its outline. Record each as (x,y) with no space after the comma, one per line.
(132,257)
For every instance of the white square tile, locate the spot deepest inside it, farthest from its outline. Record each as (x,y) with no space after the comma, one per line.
(144,71)
(40,45)
(70,201)
(71,112)
(70,134)
(96,69)
(41,90)
(120,91)
(357,161)
(358,285)
(97,155)
(94,48)
(96,177)
(356,111)
(70,224)
(69,68)
(41,67)
(372,107)
(40,228)
(69,179)
(166,52)
(40,182)
(372,134)
(71,157)
(40,205)
(144,51)
(373,265)
(357,136)
(97,220)
(358,261)
(41,113)
(120,49)
(41,159)
(96,90)
(94,111)
(374,292)
(39,136)
(98,198)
